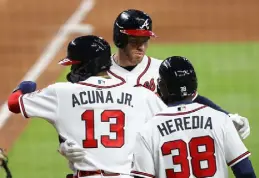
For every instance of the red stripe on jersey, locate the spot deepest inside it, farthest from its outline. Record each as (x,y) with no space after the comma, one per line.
(142,173)
(236,160)
(116,76)
(144,71)
(22,106)
(181,113)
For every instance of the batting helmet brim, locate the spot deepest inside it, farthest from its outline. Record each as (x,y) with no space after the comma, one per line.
(68,62)
(139,32)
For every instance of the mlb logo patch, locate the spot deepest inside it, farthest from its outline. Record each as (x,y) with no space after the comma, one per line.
(101,81)
(181,108)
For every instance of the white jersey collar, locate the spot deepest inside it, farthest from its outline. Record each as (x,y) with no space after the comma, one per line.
(137,70)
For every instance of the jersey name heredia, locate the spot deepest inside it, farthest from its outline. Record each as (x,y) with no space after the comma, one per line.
(184,123)
(98,96)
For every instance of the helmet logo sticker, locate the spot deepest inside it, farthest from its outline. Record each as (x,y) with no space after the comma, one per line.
(182,73)
(118,25)
(98,47)
(145,24)
(183,91)
(73,42)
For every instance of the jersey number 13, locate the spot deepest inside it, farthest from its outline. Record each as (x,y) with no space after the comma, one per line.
(106,141)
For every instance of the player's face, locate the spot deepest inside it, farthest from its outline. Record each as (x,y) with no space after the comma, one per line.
(136,48)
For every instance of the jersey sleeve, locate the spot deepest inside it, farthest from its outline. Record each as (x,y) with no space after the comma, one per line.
(143,163)
(42,103)
(154,105)
(235,150)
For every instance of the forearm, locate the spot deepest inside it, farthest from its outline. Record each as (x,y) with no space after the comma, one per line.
(203,100)
(243,169)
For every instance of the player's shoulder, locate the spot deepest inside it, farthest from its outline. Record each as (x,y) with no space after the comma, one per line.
(60,85)
(220,114)
(155,61)
(207,110)
(189,108)
(217,117)
(143,91)
(50,89)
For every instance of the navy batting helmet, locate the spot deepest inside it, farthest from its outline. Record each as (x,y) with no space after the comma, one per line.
(177,79)
(88,56)
(131,22)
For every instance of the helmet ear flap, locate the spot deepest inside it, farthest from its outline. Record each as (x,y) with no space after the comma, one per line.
(73,78)
(120,39)
(79,73)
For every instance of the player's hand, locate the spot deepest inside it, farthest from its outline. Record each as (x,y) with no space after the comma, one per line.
(71,166)
(26,87)
(241,124)
(72,151)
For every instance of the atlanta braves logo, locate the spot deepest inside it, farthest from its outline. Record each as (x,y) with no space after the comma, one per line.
(148,84)
(145,24)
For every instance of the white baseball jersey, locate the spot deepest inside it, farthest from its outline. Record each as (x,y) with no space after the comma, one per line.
(188,141)
(144,74)
(101,115)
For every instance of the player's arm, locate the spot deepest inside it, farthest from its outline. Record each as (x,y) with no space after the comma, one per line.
(203,100)
(236,153)
(23,88)
(143,163)
(41,103)
(241,123)
(243,169)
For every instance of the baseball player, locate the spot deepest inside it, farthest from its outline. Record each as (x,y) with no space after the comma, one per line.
(188,139)
(100,114)
(131,34)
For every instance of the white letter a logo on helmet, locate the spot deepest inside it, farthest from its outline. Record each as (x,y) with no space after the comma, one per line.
(146,24)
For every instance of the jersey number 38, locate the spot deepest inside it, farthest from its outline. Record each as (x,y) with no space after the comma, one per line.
(201,152)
